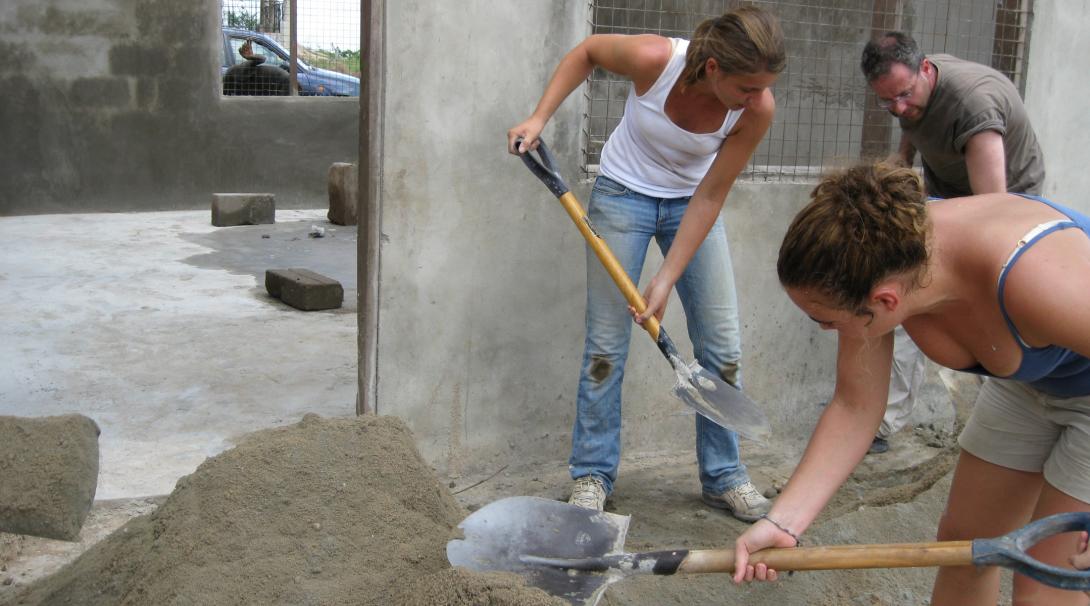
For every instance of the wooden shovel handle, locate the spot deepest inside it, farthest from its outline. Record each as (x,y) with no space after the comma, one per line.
(545,168)
(605,255)
(837,557)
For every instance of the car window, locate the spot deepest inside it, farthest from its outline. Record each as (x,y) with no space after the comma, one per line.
(259,49)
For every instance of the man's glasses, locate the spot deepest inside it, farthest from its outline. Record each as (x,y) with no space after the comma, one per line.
(904,96)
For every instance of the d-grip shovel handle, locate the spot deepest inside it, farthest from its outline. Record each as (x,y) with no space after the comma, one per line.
(545,169)
(1009,551)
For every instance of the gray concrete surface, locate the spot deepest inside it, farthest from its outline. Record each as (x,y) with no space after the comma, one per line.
(1056,80)
(158,327)
(112,105)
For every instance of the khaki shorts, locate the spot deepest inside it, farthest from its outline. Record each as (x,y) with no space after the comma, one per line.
(1018,427)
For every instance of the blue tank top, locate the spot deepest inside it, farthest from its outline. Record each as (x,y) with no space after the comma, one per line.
(1053,370)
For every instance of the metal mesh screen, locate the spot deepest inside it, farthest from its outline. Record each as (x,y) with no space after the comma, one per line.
(327,47)
(825,112)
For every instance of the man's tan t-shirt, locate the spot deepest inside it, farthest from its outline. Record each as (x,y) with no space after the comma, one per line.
(970,98)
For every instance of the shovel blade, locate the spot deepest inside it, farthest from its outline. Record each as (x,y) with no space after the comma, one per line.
(500,535)
(721,402)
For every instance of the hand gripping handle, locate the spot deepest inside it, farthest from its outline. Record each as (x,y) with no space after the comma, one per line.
(545,168)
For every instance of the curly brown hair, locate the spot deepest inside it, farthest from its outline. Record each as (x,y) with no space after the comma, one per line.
(746,40)
(862,225)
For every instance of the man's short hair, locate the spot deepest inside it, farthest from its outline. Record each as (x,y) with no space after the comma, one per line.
(880,54)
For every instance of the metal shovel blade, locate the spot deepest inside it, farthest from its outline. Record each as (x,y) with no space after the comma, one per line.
(505,535)
(719,401)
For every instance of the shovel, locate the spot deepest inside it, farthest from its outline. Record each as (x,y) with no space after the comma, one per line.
(703,391)
(575,553)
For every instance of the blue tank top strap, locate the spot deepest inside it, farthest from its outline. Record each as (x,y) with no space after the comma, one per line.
(1051,369)
(1028,240)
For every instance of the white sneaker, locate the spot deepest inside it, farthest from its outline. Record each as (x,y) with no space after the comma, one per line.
(589,492)
(743,501)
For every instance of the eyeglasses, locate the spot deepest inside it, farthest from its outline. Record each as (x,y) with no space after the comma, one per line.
(903,96)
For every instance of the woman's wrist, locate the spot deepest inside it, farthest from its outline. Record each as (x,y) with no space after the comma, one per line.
(782,528)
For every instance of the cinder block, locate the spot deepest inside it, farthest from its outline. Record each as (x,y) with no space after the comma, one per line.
(48,474)
(304,289)
(243,209)
(343,193)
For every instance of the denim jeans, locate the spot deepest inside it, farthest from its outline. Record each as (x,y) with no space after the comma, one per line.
(627,221)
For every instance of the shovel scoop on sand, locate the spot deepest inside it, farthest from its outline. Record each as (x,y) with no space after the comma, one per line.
(576,553)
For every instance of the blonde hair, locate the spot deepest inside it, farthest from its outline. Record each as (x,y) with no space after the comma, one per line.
(746,40)
(862,225)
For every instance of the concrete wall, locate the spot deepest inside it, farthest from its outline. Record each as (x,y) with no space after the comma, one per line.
(482,279)
(1054,89)
(115,105)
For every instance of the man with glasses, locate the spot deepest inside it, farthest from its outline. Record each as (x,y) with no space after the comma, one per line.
(974,137)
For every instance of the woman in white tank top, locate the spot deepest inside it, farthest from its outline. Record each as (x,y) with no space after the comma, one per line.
(695,112)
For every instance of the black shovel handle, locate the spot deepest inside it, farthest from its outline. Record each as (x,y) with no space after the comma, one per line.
(1010,549)
(544,168)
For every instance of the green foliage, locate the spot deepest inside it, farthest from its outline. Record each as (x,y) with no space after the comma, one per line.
(338,60)
(242,20)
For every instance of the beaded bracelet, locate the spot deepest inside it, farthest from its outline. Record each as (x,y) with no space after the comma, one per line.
(798,541)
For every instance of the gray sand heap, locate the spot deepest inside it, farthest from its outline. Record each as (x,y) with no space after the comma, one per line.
(339,511)
(48,474)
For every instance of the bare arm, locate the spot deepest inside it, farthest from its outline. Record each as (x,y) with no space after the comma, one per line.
(986,162)
(838,443)
(640,58)
(905,154)
(708,199)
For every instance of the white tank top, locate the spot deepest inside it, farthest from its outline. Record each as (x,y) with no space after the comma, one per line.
(650,154)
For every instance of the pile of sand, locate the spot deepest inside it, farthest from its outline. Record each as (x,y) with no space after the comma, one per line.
(326,512)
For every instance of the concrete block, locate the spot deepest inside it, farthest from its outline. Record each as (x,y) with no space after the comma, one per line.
(304,289)
(343,193)
(243,209)
(48,474)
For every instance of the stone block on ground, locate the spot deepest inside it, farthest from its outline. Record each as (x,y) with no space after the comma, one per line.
(243,209)
(304,289)
(48,474)
(343,193)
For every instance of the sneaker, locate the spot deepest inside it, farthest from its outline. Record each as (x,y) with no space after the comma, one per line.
(589,492)
(743,501)
(878,446)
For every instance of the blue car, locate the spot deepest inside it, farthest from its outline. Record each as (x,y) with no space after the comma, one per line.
(313,81)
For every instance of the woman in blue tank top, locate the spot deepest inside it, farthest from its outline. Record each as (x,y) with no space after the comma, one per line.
(994,284)
(695,112)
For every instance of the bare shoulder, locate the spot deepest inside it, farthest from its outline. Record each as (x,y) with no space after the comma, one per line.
(638,57)
(1045,292)
(649,53)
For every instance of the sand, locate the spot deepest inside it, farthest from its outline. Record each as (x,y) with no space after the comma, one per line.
(345,512)
(340,511)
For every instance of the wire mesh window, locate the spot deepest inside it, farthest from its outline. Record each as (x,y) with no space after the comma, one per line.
(825,111)
(256,49)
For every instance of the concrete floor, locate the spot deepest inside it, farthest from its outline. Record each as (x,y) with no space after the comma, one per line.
(158,327)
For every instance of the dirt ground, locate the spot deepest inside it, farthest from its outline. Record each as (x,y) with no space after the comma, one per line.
(344,511)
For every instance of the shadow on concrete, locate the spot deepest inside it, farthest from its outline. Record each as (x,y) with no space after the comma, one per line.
(253,249)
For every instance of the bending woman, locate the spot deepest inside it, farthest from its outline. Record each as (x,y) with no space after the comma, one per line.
(695,112)
(994,284)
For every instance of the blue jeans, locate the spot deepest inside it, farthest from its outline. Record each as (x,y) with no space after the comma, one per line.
(627,221)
